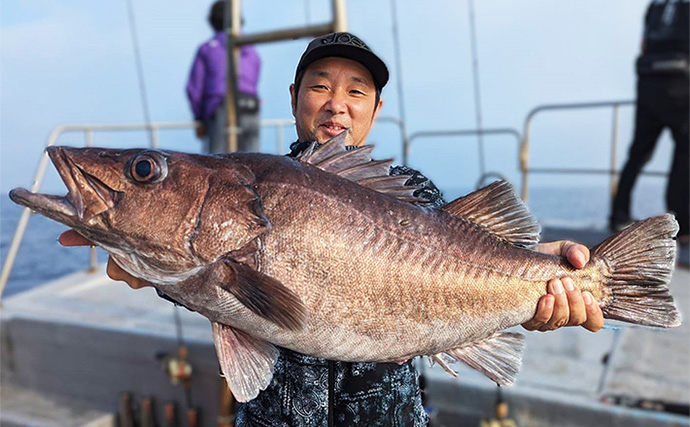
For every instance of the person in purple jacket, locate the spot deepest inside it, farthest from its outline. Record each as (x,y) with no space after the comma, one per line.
(206,90)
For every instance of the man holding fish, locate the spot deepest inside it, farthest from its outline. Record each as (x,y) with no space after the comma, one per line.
(337,89)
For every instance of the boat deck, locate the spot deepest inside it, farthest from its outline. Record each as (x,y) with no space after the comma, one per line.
(83,340)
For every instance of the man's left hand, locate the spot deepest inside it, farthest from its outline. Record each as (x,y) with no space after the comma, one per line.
(200,130)
(565,304)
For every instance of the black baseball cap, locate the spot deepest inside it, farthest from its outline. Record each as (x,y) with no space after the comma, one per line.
(348,46)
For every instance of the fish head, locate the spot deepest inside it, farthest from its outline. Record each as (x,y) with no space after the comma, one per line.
(154,211)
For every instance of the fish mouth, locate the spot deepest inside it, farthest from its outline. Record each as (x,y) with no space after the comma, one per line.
(86,198)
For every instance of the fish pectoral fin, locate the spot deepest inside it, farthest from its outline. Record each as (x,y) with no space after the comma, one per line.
(498,357)
(497,208)
(247,363)
(265,296)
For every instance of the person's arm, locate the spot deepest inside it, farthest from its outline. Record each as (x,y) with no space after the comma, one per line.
(195,84)
(195,91)
(253,67)
(565,304)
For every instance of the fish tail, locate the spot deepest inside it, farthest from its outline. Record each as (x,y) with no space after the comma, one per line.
(641,260)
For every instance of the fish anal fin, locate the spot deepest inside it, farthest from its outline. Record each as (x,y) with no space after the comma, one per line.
(497,208)
(355,164)
(442,362)
(247,363)
(498,357)
(265,296)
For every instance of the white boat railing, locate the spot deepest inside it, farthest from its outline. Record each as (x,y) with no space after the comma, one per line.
(612,171)
(467,133)
(524,141)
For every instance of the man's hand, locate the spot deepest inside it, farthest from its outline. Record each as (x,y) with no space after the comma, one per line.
(200,130)
(72,238)
(115,272)
(565,304)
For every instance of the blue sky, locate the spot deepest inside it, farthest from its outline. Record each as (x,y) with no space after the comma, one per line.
(72,61)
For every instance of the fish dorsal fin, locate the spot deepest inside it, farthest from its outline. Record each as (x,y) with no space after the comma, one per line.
(356,165)
(347,159)
(498,357)
(497,208)
(247,363)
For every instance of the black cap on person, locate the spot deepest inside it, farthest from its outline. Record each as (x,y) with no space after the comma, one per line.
(344,45)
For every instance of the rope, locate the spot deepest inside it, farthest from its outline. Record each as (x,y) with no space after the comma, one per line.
(140,69)
(178,326)
(477,93)
(398,66)
(180,344)
(147,120)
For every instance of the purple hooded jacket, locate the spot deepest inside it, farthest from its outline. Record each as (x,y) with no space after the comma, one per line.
(206,83)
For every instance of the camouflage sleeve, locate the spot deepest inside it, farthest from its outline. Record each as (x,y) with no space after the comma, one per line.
(427,190)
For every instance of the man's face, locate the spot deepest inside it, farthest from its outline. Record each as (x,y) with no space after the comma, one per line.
(335,94)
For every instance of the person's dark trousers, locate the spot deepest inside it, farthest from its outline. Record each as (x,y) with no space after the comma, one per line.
(248,138)
(662,101)
(216,138)
(679,179)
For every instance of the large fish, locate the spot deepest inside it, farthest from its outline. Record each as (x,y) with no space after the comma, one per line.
(326,255)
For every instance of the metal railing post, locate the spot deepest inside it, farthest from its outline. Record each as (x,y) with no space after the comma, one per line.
(21,226)
(279,147)
(339,16)
(235,40)
(524,157)
(94,259)
(14,248)
(154,137)
(524,150)
(403,133)
(614,152)
(470,132)
(26,212)
(406,151)
(405,143)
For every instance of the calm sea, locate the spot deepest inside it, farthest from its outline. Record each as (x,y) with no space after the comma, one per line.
(41,258)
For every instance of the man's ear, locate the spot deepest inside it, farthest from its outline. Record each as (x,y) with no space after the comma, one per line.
(293,100)
(377,109)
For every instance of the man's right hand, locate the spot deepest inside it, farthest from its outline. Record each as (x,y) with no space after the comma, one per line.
(200,131)
(115,272)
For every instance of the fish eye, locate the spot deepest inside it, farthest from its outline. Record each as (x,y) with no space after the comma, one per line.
(143,169)
(148,168)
